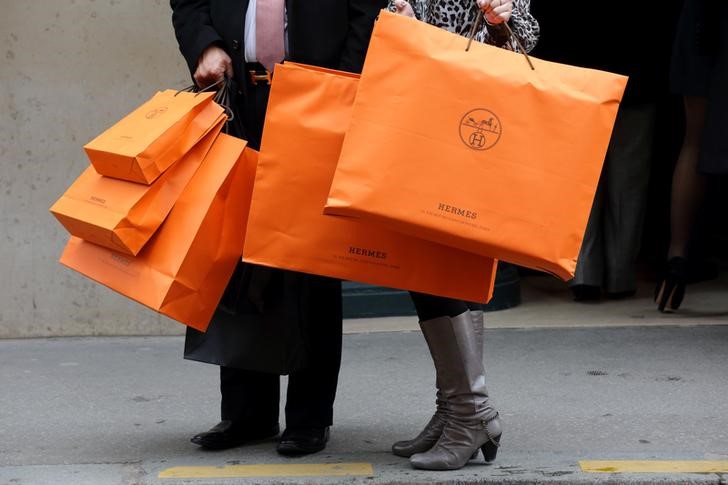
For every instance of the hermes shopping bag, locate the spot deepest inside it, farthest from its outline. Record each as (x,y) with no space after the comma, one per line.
(183,270)
(474,149)
(123,215)
(146,142)
(307,115)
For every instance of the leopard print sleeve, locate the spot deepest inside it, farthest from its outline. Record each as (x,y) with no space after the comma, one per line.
(458,16)
(418,6)
(523,25)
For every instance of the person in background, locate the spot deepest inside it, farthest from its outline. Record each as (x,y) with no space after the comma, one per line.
(699,73)
(640,50)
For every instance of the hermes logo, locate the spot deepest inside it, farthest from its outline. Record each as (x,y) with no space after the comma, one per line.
(370,253)
(156,113)
(117,258)
(480,129)
(457,211)
(98,200)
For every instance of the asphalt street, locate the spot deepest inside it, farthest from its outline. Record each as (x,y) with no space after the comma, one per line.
(120,410)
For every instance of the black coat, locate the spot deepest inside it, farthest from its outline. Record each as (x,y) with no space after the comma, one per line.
(328,33)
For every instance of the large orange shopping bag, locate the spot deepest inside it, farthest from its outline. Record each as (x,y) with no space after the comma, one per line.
(474,149)
(307,115)
(183,270)
(123,215)
(146,142)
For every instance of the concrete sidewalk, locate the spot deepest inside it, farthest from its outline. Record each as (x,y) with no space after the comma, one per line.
(547,303)
(121,410)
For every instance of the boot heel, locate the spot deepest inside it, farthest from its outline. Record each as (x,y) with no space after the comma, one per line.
(490,449)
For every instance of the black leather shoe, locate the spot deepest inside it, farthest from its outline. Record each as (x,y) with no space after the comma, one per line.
(229,434)
(303,441)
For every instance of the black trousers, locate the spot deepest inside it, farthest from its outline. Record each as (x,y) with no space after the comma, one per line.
(429,306)
(253,397)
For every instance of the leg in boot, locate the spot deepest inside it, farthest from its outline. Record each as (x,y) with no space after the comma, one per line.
(472,423)
(433,430)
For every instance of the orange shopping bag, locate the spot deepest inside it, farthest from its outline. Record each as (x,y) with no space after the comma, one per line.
(123,215)
(307,115)
(146,142)
(184,269)
(474,149)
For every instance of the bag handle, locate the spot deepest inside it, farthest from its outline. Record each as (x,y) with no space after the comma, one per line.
(192,88)
(222,81)
(222,97)
(189,89)
(474,29)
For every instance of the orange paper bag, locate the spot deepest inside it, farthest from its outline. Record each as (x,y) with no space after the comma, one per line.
(123,215)
(307,115)
(474,149)
(146,142)
(184,269)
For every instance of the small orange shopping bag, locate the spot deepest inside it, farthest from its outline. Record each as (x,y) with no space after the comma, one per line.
(307,115)
(184,269)
(146,142)
(123,215)
(474,149)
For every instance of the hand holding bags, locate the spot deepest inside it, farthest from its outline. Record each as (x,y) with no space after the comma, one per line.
(183,270)
(474,149)
(307,115)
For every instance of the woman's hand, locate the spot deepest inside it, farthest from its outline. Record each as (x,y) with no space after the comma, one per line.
(496,11)
(404,8)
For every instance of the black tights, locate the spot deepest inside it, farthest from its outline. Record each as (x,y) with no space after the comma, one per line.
(429,306)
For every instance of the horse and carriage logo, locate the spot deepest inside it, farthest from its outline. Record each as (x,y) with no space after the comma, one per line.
(156,113)
(480,129)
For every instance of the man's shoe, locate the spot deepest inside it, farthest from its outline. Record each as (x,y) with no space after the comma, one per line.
(303,441)
(229,434)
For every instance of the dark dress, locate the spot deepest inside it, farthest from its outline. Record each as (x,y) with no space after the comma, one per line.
(700,68)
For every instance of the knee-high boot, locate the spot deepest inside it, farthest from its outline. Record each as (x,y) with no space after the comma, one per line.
(472,422)
(433,430)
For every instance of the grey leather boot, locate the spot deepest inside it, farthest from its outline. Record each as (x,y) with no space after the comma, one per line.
(472,422)
(433,430)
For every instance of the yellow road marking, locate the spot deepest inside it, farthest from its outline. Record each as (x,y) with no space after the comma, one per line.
(653,466)
(271,470)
